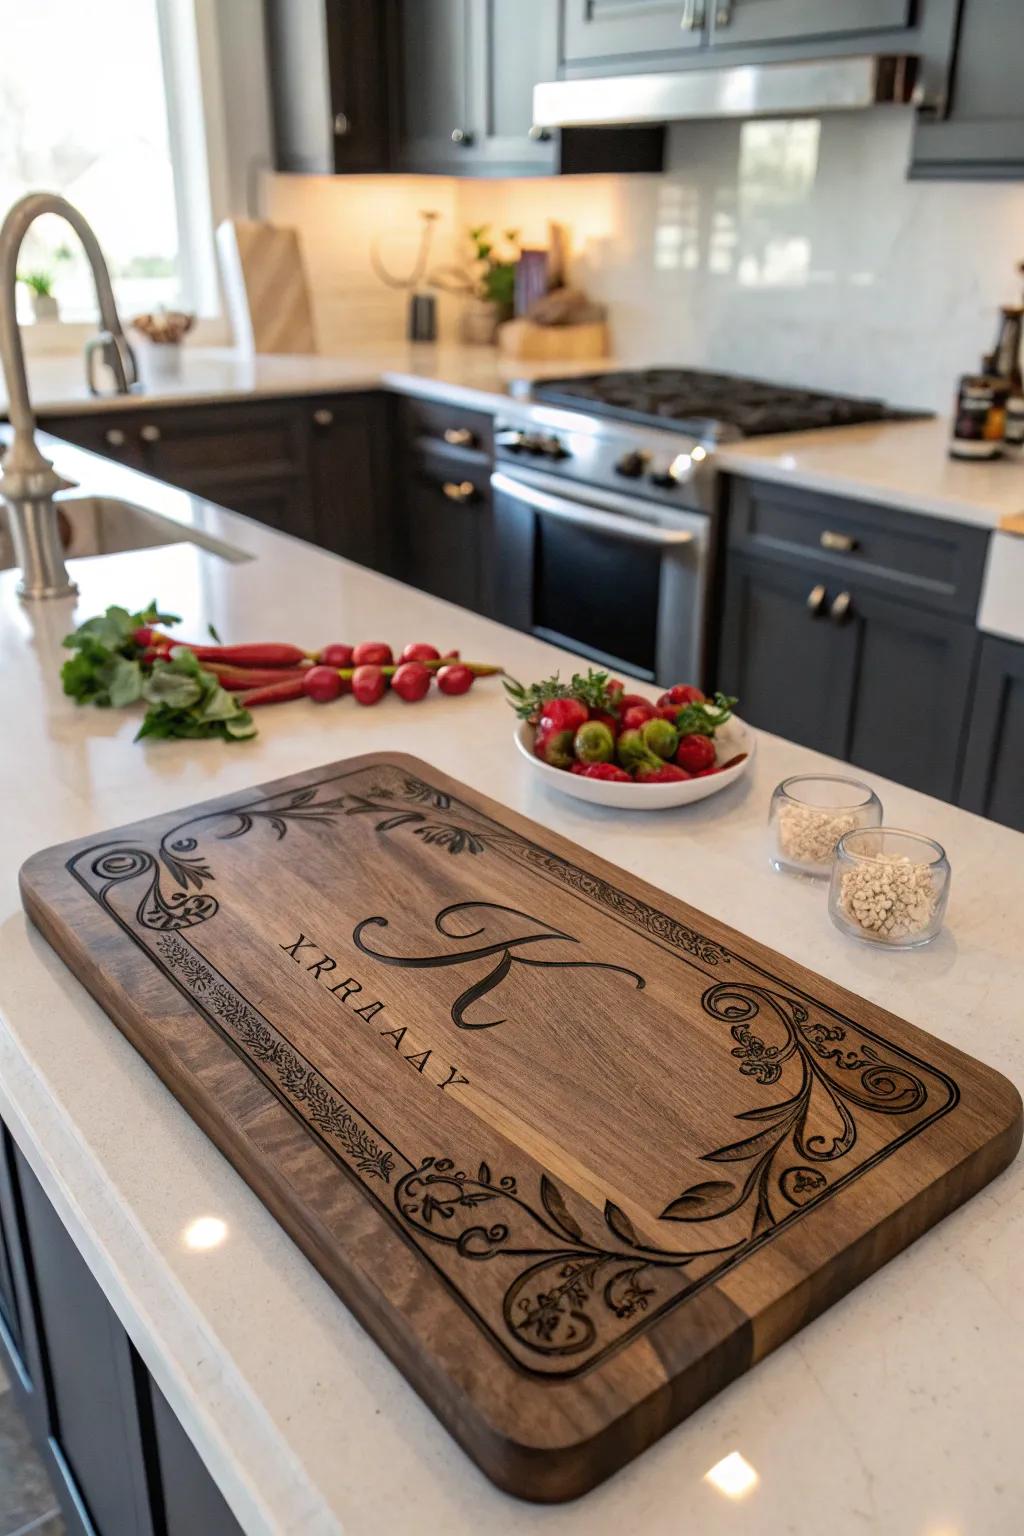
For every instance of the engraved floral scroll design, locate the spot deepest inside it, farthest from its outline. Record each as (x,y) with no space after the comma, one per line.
(811,1127)
(571,1290)
(301,1082)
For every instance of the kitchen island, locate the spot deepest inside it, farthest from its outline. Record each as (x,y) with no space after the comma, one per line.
(895,1411)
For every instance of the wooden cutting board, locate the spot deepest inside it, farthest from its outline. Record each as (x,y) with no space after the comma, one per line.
(575,1154)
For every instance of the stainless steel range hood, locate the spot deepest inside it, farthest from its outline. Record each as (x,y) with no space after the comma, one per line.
(759,90)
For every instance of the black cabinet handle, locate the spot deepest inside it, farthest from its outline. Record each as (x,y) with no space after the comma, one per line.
(816,599)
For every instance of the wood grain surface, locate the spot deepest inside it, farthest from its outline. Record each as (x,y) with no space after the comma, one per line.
(575,1154)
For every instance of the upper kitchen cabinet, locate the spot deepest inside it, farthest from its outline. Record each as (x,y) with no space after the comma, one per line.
(462,85)
(428,86)
(626,35)
(328,62)
(745,23)
(981,134)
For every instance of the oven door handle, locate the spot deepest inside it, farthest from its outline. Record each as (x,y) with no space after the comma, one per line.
(632,529)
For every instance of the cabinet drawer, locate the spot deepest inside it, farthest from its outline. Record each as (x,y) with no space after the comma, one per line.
(452,427)
(459,481)
(933,561)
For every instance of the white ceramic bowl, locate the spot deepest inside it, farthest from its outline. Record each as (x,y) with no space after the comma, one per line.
(733,737)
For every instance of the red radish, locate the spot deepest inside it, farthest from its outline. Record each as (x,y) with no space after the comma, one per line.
(560,714)
(419,650)
(336,655)
(636,715)
(456,679)
(263,654)
(368,684)
(322,684)
(371,653)
(237,678)
(411,681)
(275,693)
(696,753)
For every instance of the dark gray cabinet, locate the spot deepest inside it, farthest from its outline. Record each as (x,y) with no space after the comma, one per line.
(437,129)
(993,780)
(744,23)
(619,29)
(329,85)
(850,628)
(119,1461)
(980,134)
(317,468)
(443,504)
(629,29)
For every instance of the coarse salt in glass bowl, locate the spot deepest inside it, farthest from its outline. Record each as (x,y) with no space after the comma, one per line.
(889,887)
(808,815)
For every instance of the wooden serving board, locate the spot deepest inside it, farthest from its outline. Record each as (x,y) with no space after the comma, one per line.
(575,1154)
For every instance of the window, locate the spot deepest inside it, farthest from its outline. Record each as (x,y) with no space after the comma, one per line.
(84,112)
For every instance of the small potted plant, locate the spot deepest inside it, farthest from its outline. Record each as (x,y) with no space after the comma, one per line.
(488,281)
(40,285)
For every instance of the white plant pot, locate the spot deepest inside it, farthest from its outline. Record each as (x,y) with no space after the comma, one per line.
(44,307)
(159,361)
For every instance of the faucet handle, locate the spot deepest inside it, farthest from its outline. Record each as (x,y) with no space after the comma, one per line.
(116,352)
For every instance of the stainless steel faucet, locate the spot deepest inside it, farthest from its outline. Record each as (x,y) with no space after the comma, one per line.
(29,481)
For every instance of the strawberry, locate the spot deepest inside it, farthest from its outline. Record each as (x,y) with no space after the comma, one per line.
(602,771)
(682,693)
(553,745)
(665,773)
(696,754)
(611,721)
(563,715)
(627,700)
(637,715)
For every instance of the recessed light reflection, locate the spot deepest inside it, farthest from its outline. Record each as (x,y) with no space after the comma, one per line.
(205,1232)
(733,1476)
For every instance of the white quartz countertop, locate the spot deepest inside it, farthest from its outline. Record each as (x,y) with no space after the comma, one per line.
(897,1412)
(900,464)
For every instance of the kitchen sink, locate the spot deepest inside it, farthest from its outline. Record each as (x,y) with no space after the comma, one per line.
(105,525)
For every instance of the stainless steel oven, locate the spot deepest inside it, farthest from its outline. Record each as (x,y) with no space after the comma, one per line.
(619,578)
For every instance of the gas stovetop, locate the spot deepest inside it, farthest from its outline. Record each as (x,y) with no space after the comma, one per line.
(709,405)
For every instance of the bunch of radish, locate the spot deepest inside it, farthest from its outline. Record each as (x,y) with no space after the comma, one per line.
(273,673)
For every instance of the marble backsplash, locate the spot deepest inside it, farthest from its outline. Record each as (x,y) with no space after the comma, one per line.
(794,250)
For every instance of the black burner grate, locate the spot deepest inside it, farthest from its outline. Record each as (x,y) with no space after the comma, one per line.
(710,404)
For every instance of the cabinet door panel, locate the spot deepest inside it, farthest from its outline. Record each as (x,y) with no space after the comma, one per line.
(595,29)
(749,22)
(514,45)
(94,1413)
(912,693)
(792,671)
(993,781)
(444,541)
(350,475)
(193,1505)
(434,64)
(982,135)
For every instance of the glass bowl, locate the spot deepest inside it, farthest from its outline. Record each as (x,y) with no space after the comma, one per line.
(889,887)
(808,815)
